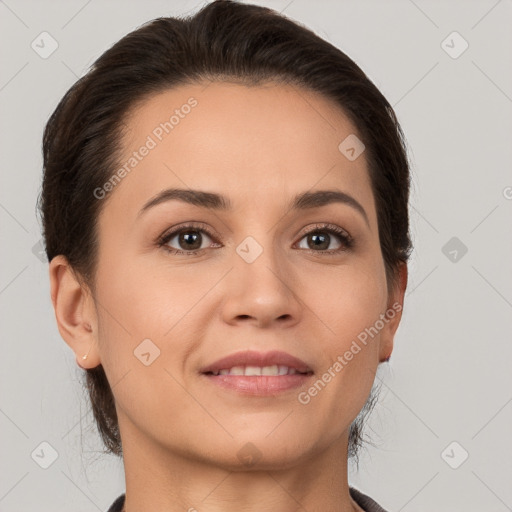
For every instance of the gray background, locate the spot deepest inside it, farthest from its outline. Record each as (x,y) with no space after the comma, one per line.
(449,378)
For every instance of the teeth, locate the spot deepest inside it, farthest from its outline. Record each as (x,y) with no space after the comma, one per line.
(252,370)
(249,371)
(270,370)
(283,370)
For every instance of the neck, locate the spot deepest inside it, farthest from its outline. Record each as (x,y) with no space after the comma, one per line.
(160,480)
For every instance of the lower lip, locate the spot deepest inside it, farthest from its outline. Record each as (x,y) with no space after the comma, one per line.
(260,385)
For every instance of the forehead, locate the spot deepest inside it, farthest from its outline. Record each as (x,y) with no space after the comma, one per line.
(243,141)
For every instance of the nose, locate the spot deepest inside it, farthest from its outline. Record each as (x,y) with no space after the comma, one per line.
(264,292)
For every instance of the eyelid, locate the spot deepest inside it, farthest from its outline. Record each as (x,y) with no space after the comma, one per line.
(325,226)
(191,225)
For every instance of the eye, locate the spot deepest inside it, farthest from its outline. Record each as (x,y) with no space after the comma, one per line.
(320,238)
(186,239)
(191,239)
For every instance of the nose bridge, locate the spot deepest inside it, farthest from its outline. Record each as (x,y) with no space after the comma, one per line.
(259,284)
(261,262)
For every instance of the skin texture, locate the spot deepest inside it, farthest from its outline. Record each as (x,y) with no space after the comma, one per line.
(259,146)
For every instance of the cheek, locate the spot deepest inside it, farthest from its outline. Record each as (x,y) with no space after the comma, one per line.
(139,301)
(356,296)
(146,332)
(350,348)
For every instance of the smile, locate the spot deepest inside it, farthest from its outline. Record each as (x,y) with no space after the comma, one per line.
(249,371)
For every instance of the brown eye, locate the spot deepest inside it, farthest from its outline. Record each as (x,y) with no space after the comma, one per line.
(188,239)
(318,241)
(322,240)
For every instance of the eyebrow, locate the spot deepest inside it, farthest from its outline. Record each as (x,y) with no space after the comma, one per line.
(217,202)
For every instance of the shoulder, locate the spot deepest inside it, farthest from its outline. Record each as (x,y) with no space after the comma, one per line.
(364,501)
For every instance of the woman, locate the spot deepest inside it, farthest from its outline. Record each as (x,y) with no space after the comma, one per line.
(225,211)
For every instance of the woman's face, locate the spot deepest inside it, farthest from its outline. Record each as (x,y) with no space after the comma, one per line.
(243,269)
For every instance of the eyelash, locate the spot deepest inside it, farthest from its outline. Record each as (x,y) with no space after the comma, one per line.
(346,240)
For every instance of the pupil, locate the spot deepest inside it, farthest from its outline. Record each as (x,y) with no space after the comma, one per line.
(195,240)
(321,241)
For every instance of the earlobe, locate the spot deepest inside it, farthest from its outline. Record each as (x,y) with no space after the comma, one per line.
(393,313)
(74,312)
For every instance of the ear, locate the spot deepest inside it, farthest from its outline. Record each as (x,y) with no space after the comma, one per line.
(75,312)
(393,313)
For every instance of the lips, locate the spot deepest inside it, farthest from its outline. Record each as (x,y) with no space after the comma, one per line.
(252,363)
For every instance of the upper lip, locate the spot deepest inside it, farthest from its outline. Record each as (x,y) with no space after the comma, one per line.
(253,358)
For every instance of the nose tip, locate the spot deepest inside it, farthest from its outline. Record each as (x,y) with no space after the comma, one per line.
(258,293)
